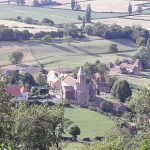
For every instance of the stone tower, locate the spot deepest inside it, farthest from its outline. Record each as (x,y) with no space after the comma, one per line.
(81,77)
(82,90)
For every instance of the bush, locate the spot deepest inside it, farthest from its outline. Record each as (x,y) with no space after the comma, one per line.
(86,139)
(113,48)
(79,17)
(74,131)
(48,21)
(28,20)
(16,57)
(47,38)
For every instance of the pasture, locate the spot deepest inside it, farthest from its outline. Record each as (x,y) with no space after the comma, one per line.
(23,26)
(62,54)
(104,6)
(140,20)
(91,123)
(59,16)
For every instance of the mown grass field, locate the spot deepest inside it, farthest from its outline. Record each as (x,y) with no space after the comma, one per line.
(80,52)
(62,54)
(58,15)
(72,146)
(91,123)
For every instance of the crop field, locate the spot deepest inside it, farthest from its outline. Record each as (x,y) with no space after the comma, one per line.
(58,15)
(90,123)
(104,6)
(143,21)
(6,48)
(63,54)
(23,26)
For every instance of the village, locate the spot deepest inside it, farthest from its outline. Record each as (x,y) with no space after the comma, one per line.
(59,84)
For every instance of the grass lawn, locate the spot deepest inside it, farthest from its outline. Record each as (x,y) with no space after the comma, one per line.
(141,81)
(91,123)
(72,146)
(58,15)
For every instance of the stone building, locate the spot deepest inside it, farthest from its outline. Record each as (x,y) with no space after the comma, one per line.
(73,91)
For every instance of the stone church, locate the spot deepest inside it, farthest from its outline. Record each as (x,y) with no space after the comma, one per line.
(73,91)
(77,91)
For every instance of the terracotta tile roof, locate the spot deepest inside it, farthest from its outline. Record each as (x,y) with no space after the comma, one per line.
(64,70)
(98,77)
(32,69)
(15,90)
(70,80)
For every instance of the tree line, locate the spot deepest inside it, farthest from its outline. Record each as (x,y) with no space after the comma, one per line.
(7,34)
(135,33)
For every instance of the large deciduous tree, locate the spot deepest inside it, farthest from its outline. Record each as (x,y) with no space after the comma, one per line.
(40,127)
(121,90)
(16,57)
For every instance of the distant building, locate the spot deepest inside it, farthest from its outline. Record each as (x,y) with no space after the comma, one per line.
(127,67)
(74,91)
(17,92)
(100,81)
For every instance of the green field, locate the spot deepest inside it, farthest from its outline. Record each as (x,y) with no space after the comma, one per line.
(62,54)
(72,146)
(58,15)
(91,123)
(80,52)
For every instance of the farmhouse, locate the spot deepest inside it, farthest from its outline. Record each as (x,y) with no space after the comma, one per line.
(127,67)
(74,91)
(101,84)
(17,92)
(22,69)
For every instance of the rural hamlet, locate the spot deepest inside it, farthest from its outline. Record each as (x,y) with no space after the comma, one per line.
(74,75)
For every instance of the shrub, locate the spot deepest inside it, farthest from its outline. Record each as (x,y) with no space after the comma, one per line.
(28,20)
(74,131)
(113,48)
(47,38)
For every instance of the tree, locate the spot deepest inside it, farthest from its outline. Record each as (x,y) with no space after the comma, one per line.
(47,38)
(28,79)
(141,104)
(48,21)
(102,68)
(139,9)
(73,4)
(113,48)
(28,20)
(110,80)
(16,57)
(20,2)
(74,131)
(35,3)
(15,77)
(83,23)
(5,114)
(40,127)
(121,90)
(129,8)
(40,79)
(144,54)
(88,14)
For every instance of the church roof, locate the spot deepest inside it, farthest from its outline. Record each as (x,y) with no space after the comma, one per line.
(81,71)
